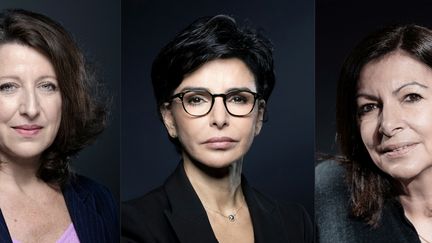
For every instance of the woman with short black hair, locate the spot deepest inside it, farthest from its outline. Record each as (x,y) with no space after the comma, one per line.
(211,84)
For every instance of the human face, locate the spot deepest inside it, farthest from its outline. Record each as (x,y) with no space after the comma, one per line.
(30,103)
(216,139)
(394,101)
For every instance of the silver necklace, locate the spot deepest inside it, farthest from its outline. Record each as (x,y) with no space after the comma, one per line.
(421,237)
(230,217)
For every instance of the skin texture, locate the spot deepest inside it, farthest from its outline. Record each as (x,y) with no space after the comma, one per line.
(218,77)
(395,94)
(29,95)
(395,114)
(214,169)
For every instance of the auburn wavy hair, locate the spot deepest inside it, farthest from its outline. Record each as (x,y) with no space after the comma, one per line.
(83,112)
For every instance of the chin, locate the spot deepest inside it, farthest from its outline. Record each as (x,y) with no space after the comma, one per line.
(26,152)
(406,171)
(217,160)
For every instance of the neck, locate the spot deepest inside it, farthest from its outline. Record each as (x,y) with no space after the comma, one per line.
(18,173)
(217,188)
(417,199)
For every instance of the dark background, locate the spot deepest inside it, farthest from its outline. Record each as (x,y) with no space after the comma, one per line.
(95,25)
(280,162)
(340,25)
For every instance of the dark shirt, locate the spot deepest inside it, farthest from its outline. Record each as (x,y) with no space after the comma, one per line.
(173,213)
(335,223)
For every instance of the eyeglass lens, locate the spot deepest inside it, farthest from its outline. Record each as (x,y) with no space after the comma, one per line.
(199,103)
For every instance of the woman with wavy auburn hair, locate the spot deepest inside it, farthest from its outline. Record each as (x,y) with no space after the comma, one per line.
(47,115)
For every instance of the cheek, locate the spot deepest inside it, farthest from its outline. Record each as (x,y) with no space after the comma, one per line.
(367,132)
(8,108)
(246,127)
(188,128)
(52,109)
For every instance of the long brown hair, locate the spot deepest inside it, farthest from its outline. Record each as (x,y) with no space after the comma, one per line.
(369,186)
(83,114)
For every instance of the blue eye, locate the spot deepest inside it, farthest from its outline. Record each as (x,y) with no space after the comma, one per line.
(8,87)
(48,86)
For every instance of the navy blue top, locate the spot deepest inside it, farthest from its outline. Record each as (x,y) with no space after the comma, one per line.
(92,209)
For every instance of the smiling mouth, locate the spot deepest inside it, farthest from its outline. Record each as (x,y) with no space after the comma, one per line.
(398,151)
(28,130)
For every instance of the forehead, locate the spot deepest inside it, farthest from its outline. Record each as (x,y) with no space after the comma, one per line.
(219,76)
(392,71)
(19,59)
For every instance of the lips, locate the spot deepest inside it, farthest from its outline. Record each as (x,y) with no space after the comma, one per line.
(220,143)
(28,129)
(397,150)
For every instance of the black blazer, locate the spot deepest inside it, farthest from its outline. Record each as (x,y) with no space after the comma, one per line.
(173,213)
(92,209)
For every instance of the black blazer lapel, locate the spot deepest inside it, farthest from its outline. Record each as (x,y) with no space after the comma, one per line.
(87,222)
(266,219)
(4,232)
(187,215)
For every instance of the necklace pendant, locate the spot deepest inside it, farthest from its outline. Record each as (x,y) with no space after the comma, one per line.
(231,218)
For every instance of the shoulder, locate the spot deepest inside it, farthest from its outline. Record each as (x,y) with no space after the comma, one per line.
(150,203)
(293,217)
(85,186)
(143,218)
(330,185)
(297,220)
(327,173)
(289,210)
(94,194)
(90,202)
(332,203)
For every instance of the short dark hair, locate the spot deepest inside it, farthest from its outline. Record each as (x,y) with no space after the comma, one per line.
(370,187)
(83,115)
(207,39)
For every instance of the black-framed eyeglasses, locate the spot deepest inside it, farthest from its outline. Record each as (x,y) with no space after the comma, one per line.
(238,103)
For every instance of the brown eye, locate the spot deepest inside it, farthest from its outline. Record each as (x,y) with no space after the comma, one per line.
(238,99)
(366,108)
(195,98)
(412,98)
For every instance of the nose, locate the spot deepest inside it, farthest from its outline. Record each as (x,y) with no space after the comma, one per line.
(219,116)
(391,121)
(29,106)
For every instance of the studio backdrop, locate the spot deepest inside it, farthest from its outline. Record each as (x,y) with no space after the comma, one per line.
(95,26)
(280,162)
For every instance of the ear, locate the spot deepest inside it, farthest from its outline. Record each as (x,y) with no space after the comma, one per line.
(260,118)
(168,120)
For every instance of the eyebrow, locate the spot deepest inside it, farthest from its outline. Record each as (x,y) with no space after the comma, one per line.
(372,97)
(408,84)
(18,78)
(190,88)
